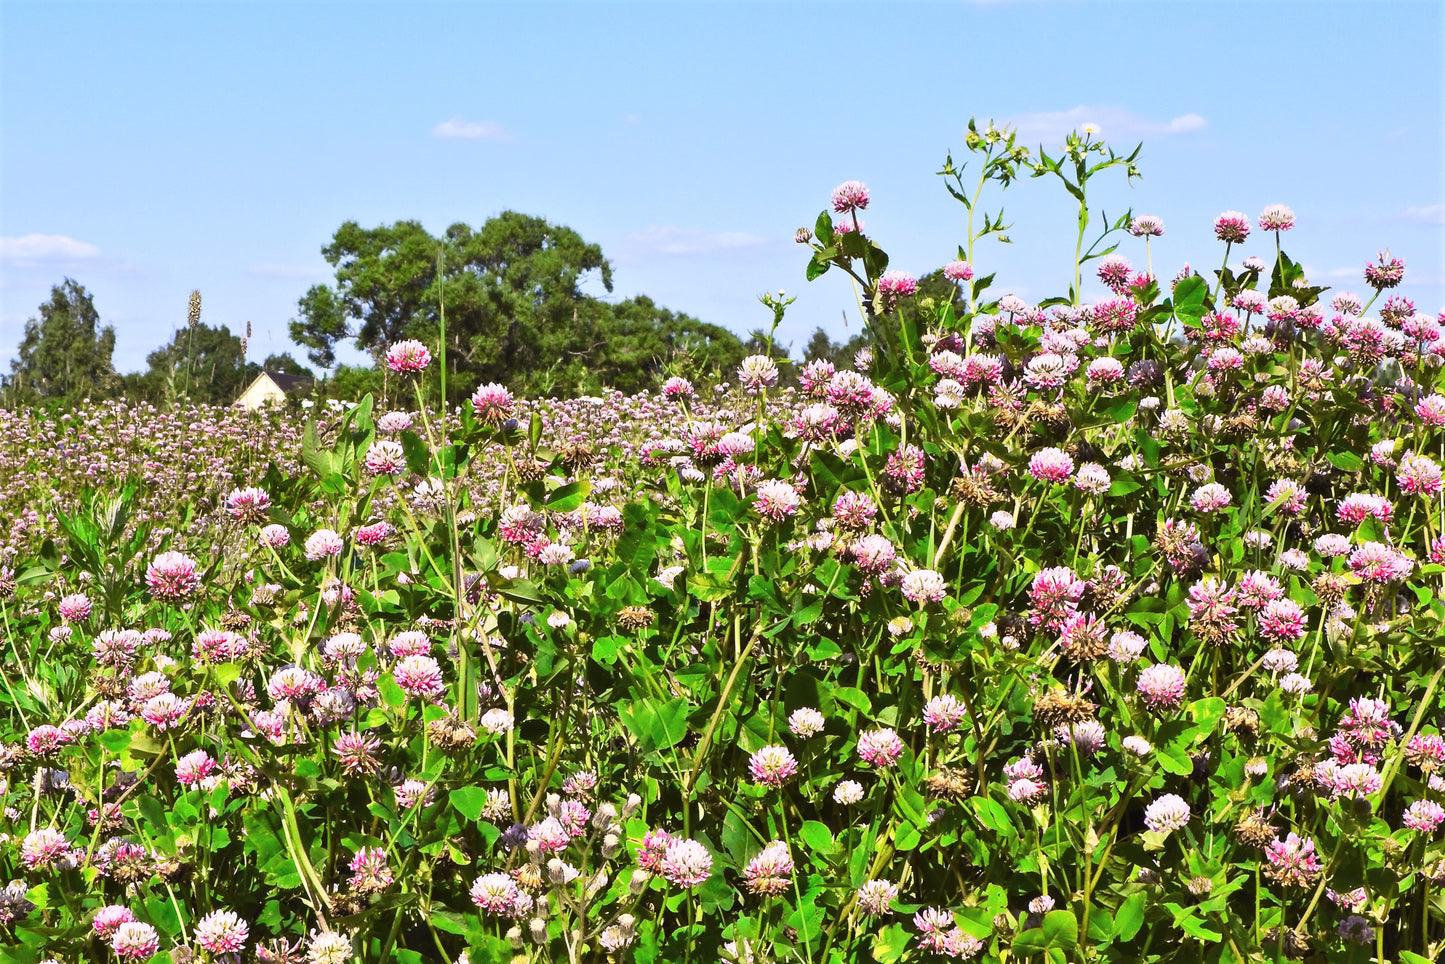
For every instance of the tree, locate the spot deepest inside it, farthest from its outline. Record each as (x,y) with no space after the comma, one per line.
(65,354)
(840,354)
(514,305)
(286,365)
(205,363)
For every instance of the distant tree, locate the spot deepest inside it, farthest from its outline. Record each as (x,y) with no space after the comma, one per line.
(286,365)
(934,285)
(840,354)
(205,363)
(351,382)
(65,354)
(647,340)
(515,309)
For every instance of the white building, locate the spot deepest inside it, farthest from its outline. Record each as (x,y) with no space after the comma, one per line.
(272,388)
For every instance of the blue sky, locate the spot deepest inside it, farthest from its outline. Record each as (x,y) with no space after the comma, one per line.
(148,149)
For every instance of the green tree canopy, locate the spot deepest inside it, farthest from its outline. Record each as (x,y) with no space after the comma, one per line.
(841,354)
(285,364)
(515,309)
(65,354)
(205,363)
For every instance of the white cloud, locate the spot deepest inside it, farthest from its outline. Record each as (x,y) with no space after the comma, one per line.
(45,249)
(285,271)
(471,131)
(1431,214)
(672,240)
(1113,122)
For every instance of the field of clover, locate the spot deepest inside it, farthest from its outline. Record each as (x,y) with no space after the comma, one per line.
(1057,632)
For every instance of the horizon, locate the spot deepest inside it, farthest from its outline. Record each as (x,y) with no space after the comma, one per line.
(218,146)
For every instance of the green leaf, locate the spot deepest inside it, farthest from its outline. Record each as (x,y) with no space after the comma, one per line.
(468,801)
(1206,713)
(391,694)
(569,496)
(1188,300)
(1130,916)
(890,944)
(116,741)
(817,836)
(854,697)
(1175,760)
(1348,461)
(823,229)
(1194,927)
(1101,926)
(1061,929)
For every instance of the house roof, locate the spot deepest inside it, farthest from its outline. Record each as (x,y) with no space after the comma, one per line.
(289,383)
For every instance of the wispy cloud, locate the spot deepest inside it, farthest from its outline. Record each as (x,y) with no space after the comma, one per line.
(685,241)
(457,129)
(35,249)
(285,271)
(1430,214)
(1113,122)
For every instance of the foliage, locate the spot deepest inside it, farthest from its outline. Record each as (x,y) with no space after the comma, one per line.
(205,363)
(65,353)
(1049,632)
(516,312)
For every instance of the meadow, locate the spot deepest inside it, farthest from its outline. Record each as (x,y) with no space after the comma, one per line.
(1053,631)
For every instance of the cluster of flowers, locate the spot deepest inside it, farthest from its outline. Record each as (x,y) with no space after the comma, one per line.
(1119,601)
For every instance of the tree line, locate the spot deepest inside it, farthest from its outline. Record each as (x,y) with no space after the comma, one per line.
(511,294)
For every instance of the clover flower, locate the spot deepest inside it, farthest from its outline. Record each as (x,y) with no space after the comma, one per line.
(850,196)
(880,747)
(1161,686)
(172,576)
(685,863)
(1166,814)
(408,357)
(773,766)
(222,932)
(1231,226)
